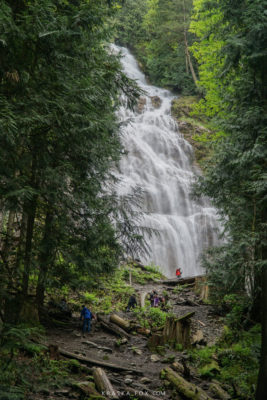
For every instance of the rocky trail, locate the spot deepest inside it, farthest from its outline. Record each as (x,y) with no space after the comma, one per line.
(130,366)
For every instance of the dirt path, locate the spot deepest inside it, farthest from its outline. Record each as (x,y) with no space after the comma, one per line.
(134,354)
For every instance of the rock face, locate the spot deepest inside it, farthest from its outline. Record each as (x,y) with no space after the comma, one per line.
(141,104)
(156,101)
(190,126)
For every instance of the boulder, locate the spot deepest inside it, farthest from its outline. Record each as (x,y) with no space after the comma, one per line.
(156,101)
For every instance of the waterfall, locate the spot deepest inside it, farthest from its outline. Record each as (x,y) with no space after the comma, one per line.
(161,162)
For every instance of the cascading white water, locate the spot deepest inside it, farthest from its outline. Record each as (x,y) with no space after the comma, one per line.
(161,162)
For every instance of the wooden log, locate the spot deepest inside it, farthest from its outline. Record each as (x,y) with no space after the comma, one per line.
(112,328)
(180,281)
(91,361)
(201,287)
(178,367)
(122,323)
(185,388)
(143,331)
(103,384)
(96,346)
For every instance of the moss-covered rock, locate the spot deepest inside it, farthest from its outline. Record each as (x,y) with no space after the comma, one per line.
(192,127)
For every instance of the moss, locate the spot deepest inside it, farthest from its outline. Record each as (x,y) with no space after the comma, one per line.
(234,362)
(210,370)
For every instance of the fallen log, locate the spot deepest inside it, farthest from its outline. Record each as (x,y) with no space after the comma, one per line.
(91,361)
(96,346)
(187,389)
(103,384)
(122,323)
(112,328)
(180,281)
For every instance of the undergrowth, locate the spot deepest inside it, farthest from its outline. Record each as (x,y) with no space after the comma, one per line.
(232,362)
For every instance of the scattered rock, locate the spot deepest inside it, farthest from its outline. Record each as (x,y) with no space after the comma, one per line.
(141,104)
(128,381)
(88,389)
(156,101)
(154,358)
(124,341)
(137,351)
(145,380)
(198,337)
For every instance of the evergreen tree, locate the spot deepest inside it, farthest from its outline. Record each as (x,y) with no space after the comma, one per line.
(60,88)
(233,35)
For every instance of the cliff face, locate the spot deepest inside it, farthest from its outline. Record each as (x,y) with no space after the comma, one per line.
(191,126)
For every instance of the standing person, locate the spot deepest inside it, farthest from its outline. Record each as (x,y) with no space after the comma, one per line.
(156,300)
(151,299)
(132,303)
(178,273)
(86,316)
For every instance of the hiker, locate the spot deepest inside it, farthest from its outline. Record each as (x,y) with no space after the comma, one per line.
(151,297)
(156,300)
(178,273)
(86,316)
(132,303)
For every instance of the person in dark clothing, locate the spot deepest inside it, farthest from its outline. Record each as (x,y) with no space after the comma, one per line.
(132,303)
(86,316)
(151,297)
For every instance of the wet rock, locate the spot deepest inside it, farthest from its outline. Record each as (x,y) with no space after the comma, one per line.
(88,389)
(156,101)
(154,358)
(145,380)
(141,104)
(137,351)
(198,337)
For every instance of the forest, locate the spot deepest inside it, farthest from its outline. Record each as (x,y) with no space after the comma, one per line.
(66,233)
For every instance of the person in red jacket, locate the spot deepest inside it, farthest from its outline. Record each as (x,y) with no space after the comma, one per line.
(178,273)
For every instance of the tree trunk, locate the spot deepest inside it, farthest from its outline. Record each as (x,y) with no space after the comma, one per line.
(45,258)
(262,377)
(188,58)
(31,211)
(177,330)
(9,236)
(186,389)
(103,384)
(122,323)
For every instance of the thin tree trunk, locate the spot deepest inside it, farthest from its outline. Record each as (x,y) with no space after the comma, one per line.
(262,377)
(47,248)
(188,58)
(31,212)
(8,242)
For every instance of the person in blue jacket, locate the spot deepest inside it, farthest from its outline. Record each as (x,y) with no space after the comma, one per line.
(86,316)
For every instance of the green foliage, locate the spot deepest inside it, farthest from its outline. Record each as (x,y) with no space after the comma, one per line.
(232,361)
(155,29)
(60,143)
(152,317)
